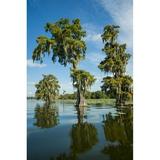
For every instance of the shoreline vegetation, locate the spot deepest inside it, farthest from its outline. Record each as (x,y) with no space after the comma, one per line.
(90,101)
(107,101)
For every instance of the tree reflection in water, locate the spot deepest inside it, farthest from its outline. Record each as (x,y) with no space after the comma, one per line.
(83,137)
(46,116)
(118,131)
(83,134)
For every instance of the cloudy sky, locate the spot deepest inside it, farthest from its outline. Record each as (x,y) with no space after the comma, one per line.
(94,15)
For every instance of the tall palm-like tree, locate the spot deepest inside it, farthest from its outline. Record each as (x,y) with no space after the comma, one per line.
(115,63)
(82,81)
(66,45)
(47,88)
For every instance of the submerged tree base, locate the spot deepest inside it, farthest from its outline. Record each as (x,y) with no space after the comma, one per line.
(81,101)
(81,104)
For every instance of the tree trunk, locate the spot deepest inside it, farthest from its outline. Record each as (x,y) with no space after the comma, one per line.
(80,99)
(80,113)
(118,97)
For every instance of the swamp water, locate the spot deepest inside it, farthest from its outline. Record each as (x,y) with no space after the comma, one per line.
(63,132)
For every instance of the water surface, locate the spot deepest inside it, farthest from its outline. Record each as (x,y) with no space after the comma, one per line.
(64,132)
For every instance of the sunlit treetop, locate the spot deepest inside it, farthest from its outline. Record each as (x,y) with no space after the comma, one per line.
(47,89)
(65,43)
(116,56)
(82,80)
(110,33)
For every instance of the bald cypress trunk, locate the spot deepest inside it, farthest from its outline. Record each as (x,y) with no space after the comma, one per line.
(80,99)
(80,113)
(119,102)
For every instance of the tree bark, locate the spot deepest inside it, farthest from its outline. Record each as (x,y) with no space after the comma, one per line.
(80,99)
(80,113)
(118,97)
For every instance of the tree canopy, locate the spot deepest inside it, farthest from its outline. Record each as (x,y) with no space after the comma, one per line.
(65,42)
(82,80)
(115,63)
(111,84)
(116,56)
(47,88)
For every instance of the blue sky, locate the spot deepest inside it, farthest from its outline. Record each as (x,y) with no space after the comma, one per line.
(94,15)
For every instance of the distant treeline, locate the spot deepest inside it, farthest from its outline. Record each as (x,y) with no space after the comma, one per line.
(88,95)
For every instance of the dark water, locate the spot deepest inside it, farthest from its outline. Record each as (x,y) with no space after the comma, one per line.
(63,132)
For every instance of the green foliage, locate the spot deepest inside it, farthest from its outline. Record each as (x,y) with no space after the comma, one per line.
(47,88)
(82,80)
(116,56)
(65,42)
(115,62)
(88,95)
(111,85)
(68,96)
(98,95)
(101,101)
(91,101)
(110,33)
(44,46)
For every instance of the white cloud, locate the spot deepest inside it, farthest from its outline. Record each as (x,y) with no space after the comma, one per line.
(95,58)
(94,37)
(93,34)
(121,12)
(35,64)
